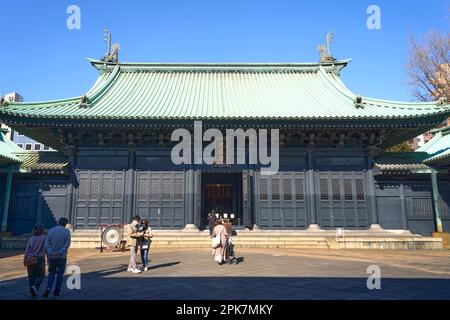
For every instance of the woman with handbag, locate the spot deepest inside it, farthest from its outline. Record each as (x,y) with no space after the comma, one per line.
(144,243)
(34,259)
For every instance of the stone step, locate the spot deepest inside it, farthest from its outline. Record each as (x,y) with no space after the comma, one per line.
(351,243)
(388,241)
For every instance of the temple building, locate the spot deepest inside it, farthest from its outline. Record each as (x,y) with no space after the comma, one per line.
(114,146)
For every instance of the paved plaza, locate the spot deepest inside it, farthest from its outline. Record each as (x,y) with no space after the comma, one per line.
(262,274)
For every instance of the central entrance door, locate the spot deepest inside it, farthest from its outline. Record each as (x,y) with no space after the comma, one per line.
(222,192)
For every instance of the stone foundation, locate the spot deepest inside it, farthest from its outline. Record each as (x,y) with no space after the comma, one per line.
(379,240)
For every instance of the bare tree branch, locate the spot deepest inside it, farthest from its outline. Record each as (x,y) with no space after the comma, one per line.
(429,66)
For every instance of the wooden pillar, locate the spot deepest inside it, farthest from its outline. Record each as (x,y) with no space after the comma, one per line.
(255,199)
(69,208)
(247,198)
(69,203)
(39,215)
(198,195)
(437,201)
(310,193)
(6,199)
(403,206)
(371,192)
(193,207)
(129,187)
(250,196)
(189,200)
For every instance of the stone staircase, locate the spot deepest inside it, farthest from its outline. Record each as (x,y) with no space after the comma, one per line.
(202,240)
(390,240)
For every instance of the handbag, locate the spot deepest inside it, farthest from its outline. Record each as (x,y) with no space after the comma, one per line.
(145,244)
(31,261)
(215,242)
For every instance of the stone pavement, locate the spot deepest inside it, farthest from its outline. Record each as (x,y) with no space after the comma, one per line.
(263,274)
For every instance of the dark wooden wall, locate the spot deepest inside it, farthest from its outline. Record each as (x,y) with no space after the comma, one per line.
(331,187)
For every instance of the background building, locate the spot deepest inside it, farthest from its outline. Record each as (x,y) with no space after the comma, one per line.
(22,141)
(419,141)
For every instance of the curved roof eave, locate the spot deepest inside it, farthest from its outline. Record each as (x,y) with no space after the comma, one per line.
(340,86)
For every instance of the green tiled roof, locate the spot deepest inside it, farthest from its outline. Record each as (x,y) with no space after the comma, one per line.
(438,147)
(401,161)
(29,161)
(43,161)
(158,91)
(440,158)
(7,150)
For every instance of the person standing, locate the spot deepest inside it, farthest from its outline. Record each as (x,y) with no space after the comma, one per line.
(56,244)
(34,259)
(211,222)
(132,237)
(145,242)
(219,233)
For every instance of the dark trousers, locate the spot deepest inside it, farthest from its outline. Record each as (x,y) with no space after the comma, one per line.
(36,273)
(56,268)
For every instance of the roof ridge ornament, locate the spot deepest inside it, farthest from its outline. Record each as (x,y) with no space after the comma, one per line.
(112,56)
(325,51)
(359,103)
(442,101)
(84,102)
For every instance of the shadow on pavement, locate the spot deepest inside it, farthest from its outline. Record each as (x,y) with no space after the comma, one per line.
(10,253)
(116,284)
(164,265)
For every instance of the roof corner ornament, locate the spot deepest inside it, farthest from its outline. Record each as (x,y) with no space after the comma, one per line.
(325,51)
(359,103)
(2,102)
(442,101)
(322,52)
(84,102)
(112,56)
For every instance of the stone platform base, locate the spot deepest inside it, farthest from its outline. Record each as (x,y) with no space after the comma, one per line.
(445,236)
(309,239)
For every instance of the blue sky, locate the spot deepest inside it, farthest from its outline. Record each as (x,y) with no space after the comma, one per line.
(42,59)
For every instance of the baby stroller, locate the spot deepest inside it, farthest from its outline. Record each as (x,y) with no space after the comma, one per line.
(228,252)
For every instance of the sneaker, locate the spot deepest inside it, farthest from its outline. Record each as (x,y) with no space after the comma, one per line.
(145,269)
(33,291)
(46,293)
(136,271)
(57,293)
